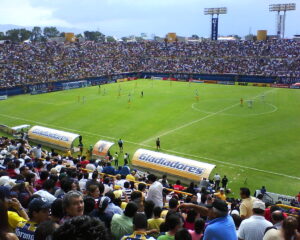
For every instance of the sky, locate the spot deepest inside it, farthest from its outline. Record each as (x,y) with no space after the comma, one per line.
(132,17)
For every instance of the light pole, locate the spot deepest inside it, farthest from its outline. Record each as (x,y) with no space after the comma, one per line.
(280,23)
(215,20)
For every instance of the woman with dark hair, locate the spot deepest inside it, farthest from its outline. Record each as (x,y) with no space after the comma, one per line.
(197,234)
(4,227)
(189,222)
(148,208)
(287,232)
(83,228)
(191,188)
(183,234)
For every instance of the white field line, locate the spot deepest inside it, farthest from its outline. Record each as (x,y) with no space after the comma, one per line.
(233,164)
(148,146)
(197,120)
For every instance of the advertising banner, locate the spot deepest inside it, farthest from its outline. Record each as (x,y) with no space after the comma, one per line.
(172,165)
(280,85)
(214,29)
(275,197)
(211,81)
(52,137)
(101,148)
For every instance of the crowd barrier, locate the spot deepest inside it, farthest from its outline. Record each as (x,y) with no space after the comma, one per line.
(114,176)
(290,207)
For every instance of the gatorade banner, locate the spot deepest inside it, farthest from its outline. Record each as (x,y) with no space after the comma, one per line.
(173,165)
(101,148)
(52,137)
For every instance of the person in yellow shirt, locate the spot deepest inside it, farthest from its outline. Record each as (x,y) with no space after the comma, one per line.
(14,217)
(131,177)
(154,223)
(246,204)
(221,194)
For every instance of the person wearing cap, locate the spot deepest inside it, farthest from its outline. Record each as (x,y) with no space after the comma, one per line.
(220,225)
(221,194)
(38,213)
(254,227)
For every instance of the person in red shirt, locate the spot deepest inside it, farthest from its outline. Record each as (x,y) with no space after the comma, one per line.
(178,186)
(84,162)
(298,197)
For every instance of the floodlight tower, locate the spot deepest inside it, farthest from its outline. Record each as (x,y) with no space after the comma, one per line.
(280,25)
(214,20)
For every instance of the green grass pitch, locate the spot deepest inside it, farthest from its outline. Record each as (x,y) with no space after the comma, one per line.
(252,146)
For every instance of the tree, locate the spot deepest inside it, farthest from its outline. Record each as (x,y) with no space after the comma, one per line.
(36,34)
(249,37)
(18,35)
(125,39)
(24,34)
(94,36)
(13,35)
(62,34)
(110,39)
(50,32)
(2,36)
(144,35)
(79,35)
(195,36)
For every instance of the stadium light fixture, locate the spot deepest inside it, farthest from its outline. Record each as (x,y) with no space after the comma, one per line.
(280,24)
(215,20)
(213,11)
(282,7)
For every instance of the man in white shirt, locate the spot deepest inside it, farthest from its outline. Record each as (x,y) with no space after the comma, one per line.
(217,179)
(254,227)
(47,191)
(37,151)
(155,191)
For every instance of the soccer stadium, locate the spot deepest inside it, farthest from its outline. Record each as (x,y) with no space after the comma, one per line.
(149,139)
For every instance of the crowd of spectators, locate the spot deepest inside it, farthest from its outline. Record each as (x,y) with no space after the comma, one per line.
(46,195)
(28,63)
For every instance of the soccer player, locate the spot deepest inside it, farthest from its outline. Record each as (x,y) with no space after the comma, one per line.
(250,103)
(242,102)
(197,94)
(126,157)
(120,143)
(142,94)
(129,98)
(157,144)
(116,159)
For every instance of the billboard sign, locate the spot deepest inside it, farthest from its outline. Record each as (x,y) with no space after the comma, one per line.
(173,165)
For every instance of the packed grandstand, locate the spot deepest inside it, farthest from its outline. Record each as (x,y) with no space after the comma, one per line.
(48,194)
(30,63)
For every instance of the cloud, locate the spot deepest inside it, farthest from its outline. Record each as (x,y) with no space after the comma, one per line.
(126,17)
(21,12)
